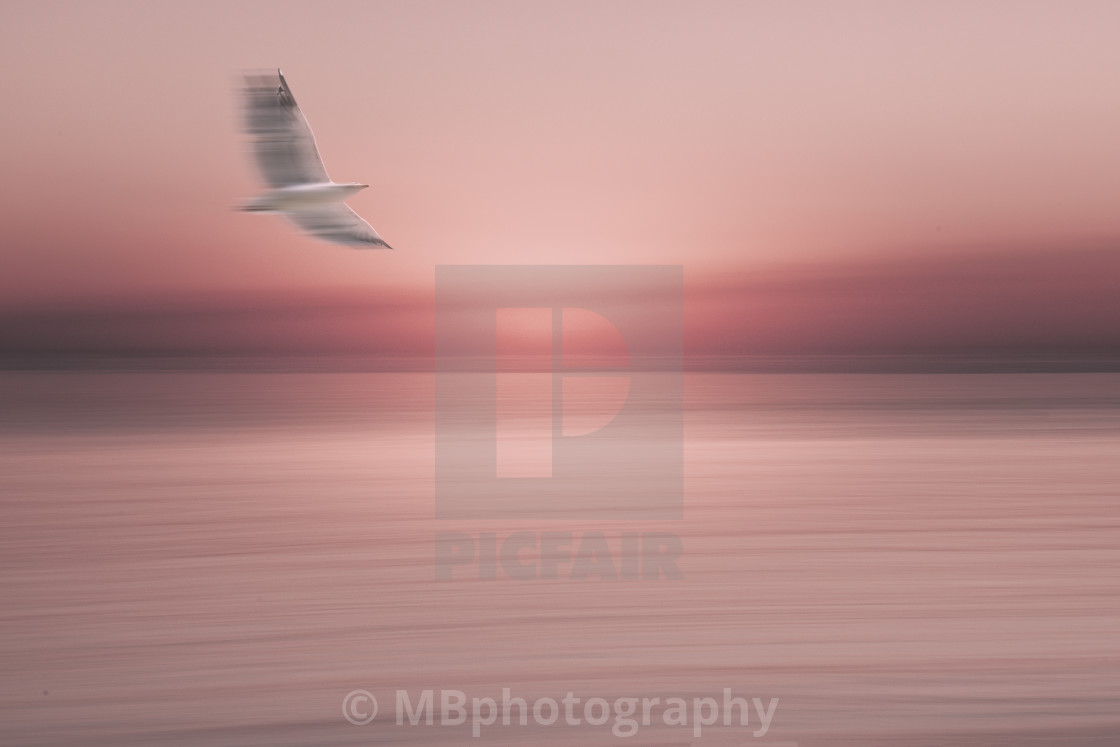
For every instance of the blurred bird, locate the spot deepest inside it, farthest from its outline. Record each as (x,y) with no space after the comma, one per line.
(290,163)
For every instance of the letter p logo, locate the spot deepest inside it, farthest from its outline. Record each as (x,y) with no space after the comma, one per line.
(558,392)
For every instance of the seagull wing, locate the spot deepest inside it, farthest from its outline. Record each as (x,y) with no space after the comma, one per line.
(283,141)
(336,222)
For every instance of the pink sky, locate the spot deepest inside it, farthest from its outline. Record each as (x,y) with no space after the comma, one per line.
(850,144)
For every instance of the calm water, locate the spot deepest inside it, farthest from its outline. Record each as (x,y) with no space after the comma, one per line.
(218,559)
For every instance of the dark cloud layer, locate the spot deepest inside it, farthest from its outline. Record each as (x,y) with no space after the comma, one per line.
(1058,305)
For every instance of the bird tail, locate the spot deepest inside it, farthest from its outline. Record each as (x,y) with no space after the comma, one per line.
(258,205)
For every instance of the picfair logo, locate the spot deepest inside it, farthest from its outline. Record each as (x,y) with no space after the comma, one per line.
(558,392)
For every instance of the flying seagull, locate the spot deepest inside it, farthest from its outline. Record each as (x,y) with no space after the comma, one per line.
(289,162)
